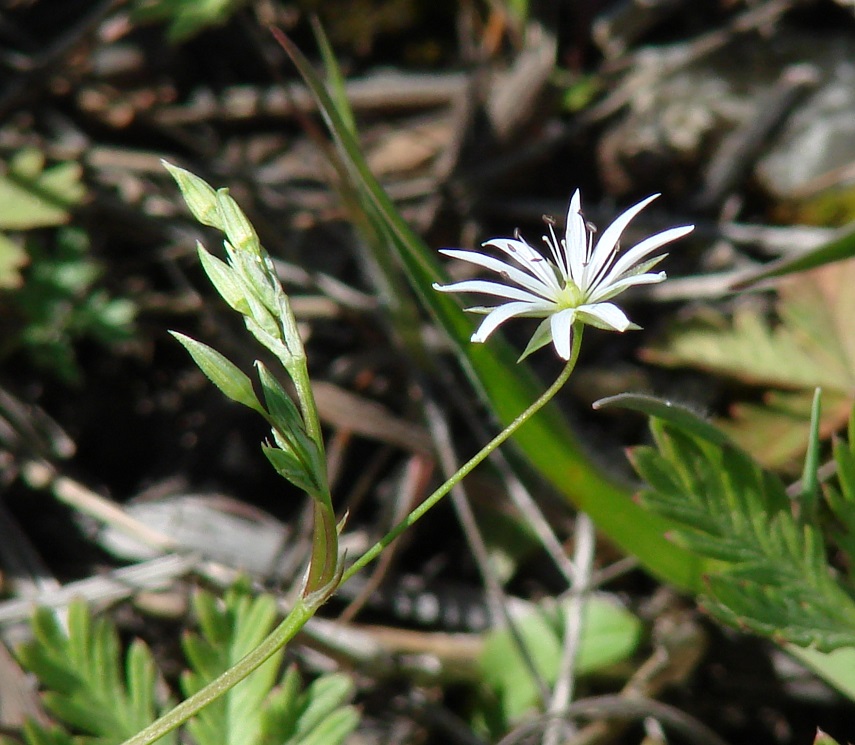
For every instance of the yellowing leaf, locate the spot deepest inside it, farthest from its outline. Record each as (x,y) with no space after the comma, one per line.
(12,258)
(32,196)
(811,344)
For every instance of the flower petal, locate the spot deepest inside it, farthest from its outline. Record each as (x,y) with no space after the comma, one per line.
(561,325)
(497,317)
(638,252)
(527,257)
(489,288)
(576,240)
(511,273)
(605,316)
(608,291)
(605,248)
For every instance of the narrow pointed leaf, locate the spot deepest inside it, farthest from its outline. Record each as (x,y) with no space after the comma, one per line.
(224,374)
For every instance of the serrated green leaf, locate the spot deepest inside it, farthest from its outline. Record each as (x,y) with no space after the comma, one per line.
(82,671)
(282,710)
(322,698)
(230,629)
(224,374)
(774,579)
(254,712)
(36,734)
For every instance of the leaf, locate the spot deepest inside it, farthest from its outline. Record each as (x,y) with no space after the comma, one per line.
(186,18)
(32,196)
(232,381)
(610,633)
(812,346)
(198,195)
(263,709)
(61,302)
(839,248)
(12,259)
(823,739)
(223,278)
(90,687)
(667,411)
(229,630)
(774,578)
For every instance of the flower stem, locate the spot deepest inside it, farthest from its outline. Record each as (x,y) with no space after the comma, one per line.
(470,465)
(282,634)
(307,606)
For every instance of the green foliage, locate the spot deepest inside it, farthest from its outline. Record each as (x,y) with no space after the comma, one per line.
(264,708)
(186,18)
(32,196)
(610,633)
(61,303)
(90,688)
(248,283)
(813,344)
(99,698)
(12,259)
(773,575)
(824,739)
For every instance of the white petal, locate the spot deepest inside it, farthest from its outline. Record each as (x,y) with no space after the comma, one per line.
(576,239)
(497,317)
(561,325)
(648,245)
(609,290)
(608,314)
(490,288)
(527,257)
(605,247)
(508,272)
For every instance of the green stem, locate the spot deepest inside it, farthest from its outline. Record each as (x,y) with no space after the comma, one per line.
(282,634)
(307,606)
(467,467)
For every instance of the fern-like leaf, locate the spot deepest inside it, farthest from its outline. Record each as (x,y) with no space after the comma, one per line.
(774,577)
(90,688)
(257,711)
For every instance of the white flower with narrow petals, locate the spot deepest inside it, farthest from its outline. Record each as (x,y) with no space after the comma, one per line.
(573,284)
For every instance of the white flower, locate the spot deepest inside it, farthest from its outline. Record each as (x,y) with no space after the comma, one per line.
(573,284)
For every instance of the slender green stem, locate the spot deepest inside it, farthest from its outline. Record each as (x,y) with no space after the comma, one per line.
(373,552)
(307,606)
(282,634)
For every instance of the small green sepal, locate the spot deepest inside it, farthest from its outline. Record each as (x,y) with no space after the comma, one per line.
(198,194)
(235,225)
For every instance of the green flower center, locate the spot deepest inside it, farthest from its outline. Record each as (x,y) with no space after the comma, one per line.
(571,296)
